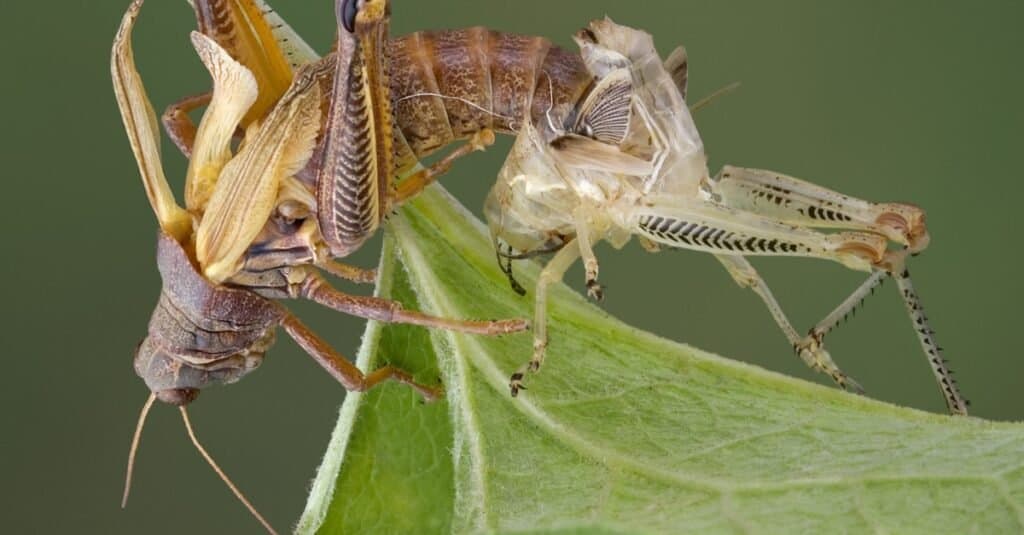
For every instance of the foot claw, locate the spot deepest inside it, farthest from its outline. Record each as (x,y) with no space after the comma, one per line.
(812,352)
(515,384)
(594,290)
(367,276)
(848,384)
(516,380)
(516,287)
(509,326)
(429,395)
(482,140)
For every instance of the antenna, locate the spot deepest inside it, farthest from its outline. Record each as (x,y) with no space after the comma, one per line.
(714,96)
(223,476)
(135,448)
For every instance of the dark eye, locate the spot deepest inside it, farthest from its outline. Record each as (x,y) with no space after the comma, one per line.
(349,8)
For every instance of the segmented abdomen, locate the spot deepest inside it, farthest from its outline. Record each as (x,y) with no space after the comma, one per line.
(447,85)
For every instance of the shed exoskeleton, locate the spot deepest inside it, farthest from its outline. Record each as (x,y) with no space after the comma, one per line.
(628,161)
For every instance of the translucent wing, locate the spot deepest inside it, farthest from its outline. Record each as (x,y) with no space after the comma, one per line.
(606,112)
(661,126)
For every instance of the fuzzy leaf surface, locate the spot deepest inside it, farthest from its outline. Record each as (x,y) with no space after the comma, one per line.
(623,431)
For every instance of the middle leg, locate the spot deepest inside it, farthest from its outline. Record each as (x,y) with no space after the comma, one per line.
(316,289)
(351,377)
(586,249)
(552,273)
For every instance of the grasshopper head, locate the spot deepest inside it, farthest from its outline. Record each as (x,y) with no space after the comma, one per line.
(200,334)
(177,379)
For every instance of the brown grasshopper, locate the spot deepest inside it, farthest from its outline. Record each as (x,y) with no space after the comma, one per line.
(239,243)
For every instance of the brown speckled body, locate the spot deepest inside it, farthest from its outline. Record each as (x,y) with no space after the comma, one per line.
(447,85)
(396,101)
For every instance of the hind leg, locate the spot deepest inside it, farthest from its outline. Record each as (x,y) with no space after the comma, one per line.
(810,350)
(802,203)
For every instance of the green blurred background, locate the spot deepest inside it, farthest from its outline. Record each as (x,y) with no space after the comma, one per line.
(912,101)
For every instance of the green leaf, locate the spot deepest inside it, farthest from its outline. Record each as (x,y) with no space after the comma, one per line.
(625,432)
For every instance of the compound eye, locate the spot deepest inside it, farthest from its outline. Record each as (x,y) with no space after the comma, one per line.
(349,9)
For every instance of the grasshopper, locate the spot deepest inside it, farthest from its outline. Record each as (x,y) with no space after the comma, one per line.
(241,243)
(629,161)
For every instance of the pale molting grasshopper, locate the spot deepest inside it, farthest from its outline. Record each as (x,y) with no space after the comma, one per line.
(628,161)
(247,234)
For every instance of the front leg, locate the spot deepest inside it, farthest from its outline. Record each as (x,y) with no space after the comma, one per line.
(348,272)
(552,273)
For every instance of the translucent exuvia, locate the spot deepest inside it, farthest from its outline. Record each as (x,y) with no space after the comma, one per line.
(628,161)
